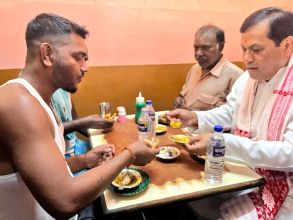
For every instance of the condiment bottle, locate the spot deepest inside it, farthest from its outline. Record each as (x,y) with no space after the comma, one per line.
(139,104)
(121,114)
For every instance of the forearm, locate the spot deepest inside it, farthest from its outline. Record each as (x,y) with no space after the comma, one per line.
(92,183)
(275,155)
(86,187)
(221,115)
(91,121)
(71,126)
(77,163)
(75,125)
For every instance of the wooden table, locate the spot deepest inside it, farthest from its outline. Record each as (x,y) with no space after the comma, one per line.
(182,179)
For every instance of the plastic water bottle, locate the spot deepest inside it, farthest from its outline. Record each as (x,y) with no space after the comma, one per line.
(139,104)
(214,164)
(152,114)
(144,124)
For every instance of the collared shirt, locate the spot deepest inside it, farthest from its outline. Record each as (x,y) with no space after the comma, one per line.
(203,92)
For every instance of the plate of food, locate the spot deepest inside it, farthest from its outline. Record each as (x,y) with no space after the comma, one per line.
(168,153)
(127,179)
(180,138)
(160,129)
(138,181)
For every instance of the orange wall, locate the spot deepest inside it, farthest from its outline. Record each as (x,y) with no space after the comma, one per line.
(131,32)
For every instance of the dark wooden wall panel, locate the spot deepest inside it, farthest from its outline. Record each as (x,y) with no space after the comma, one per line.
(120,85)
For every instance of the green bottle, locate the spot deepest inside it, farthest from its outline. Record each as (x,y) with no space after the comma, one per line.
(139,104)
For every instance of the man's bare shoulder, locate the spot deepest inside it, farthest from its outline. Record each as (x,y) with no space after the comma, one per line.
(21,116)
(15,98)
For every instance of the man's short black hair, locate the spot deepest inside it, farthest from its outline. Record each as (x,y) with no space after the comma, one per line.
(50,26)
(280,23)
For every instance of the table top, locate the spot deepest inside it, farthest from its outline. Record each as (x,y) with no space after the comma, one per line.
(182,179)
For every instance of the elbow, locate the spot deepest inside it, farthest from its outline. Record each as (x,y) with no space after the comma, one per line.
(64,210)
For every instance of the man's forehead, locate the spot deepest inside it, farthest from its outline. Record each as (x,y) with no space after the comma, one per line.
(258,32)
(203,42)
(205,38)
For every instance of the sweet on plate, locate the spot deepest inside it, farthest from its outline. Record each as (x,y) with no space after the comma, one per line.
(180,138)
(127,179)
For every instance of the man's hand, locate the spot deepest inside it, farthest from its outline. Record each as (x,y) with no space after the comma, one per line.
(198,144)
(94,121)
(142,152)
(99,155)
(179,102)
(187,117)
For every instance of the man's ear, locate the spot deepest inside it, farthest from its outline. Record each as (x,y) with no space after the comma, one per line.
(221,46)
(287,44)
(46,54)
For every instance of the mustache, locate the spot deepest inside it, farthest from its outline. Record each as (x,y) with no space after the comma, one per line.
(201,59)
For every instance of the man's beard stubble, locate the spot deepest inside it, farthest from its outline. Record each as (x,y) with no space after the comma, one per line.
(61,69)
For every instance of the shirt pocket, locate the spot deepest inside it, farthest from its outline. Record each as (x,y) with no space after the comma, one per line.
(207,99)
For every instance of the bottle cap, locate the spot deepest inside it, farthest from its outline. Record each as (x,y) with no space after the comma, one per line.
(218,128)
(140,98)
(121,110)
(149,102)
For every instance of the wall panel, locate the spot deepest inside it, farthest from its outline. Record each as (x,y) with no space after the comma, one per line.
(131,32)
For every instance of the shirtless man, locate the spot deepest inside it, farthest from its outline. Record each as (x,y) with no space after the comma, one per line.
(35,181)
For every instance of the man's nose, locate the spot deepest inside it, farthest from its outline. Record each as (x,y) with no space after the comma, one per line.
(199,52)
(84,67)
(247,57)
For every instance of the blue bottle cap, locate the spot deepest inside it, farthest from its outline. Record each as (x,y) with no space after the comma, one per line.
(149,102)
(218,128)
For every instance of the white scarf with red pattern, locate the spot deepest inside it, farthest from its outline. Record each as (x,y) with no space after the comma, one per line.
(270,197)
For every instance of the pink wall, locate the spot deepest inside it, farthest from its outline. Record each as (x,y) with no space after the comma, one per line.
(131,32)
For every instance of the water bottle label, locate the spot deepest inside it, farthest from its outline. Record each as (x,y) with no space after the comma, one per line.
(152,116)
(219,152)
(218,149)
(142,127)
